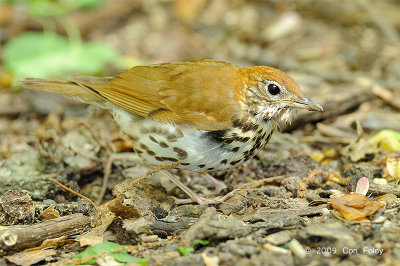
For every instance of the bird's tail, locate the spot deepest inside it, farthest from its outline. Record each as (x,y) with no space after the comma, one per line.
(81,87)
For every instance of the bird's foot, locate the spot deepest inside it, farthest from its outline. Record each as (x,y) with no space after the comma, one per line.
(201,200)
(194,197)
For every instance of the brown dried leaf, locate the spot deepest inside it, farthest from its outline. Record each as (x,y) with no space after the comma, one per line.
(95,236)
(49,213)
(90,240)
(355,207)
(389,198)
(31,257)
(393,165)
(53,243)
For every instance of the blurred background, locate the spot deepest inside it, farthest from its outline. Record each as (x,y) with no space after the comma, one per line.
(334,41)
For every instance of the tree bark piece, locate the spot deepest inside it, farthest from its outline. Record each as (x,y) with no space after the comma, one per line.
(384,189)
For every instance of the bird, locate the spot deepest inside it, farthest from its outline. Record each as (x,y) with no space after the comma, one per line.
(198,115)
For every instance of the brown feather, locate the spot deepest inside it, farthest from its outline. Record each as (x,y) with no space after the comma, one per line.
(194,92)
(198,93)
(62,87)
(271,73)
(203,93)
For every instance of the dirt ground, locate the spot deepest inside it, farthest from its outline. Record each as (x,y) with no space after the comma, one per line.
(292,203)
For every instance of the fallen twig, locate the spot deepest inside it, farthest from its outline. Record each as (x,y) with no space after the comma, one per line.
(17,238)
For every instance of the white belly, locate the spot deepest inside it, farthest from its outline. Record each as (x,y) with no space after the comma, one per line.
(196,150)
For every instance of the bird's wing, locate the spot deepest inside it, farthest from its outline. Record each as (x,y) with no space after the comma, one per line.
(202,93)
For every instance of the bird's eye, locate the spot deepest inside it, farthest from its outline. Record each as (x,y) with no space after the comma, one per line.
(273,89)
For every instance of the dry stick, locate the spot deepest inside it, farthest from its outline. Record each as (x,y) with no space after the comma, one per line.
(17,237)
(386,95)
(152,171)
(261,182)
(106,177)
(107,172)
(108,166)
(384,189)
(73,192)
(97,138)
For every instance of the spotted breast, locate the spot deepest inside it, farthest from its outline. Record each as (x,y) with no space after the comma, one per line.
(195,150)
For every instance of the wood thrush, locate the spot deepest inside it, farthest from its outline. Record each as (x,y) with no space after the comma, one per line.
(200,115)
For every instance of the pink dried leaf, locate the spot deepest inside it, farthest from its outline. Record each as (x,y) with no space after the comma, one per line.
(362,186)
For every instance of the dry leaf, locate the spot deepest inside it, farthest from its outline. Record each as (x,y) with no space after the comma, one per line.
(108,261)
(388,140)
(362,186)
(393,165)
(95,236)
(389,198)
(90,240)
(355,207)
(31,257)
(210,261)
(49,213)
(53,243)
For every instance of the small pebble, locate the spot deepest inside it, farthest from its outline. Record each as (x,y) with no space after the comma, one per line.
(325,211)
(149,239)
(380,219)
(380,181)
(275,248)
(279,238)
(387,226)
(297,249)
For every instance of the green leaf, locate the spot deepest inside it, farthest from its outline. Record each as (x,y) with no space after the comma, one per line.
(125,257)
(201,242)
(141,261)
(116,251)
(48,8)
(185,251)
(88,4)
(386,139)
(47,55)
(45,8)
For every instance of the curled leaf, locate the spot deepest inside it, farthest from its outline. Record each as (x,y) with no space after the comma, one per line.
(355,207)
(388,140)
(393,165)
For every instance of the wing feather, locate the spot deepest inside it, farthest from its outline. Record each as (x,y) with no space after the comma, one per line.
(201,93)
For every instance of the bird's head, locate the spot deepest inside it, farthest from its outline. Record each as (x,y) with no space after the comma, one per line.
(272,94)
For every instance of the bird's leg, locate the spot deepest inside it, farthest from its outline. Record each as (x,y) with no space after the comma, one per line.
(194,197)
(218,185)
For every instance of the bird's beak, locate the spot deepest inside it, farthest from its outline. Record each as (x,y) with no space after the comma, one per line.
(307,104)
